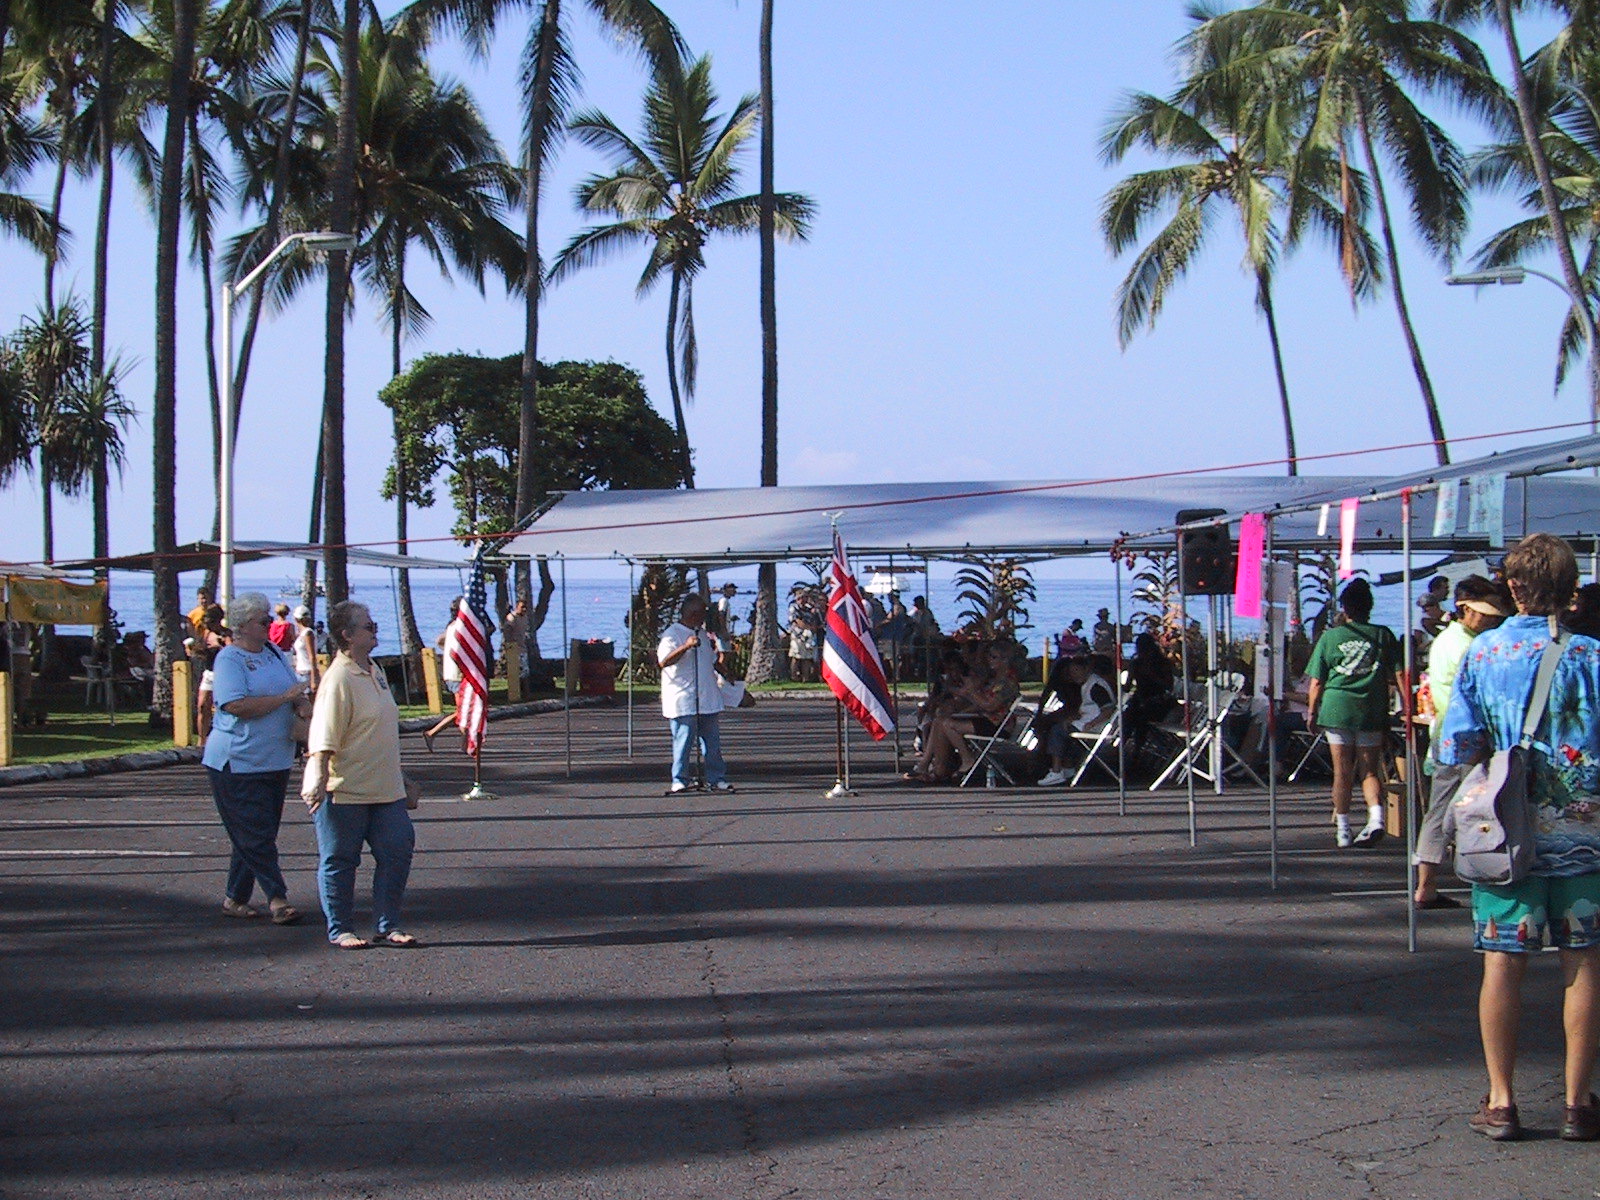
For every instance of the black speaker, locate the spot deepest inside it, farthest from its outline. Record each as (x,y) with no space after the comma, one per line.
(1208,564)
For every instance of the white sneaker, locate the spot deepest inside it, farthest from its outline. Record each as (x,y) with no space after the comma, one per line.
(722,785)
(1053,779)
(1342,838)
(678,786)
(1370,836)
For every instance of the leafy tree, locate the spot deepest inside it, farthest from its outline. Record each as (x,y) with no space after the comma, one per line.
(671,191)
(1355,60)
(1234,142)
(459,413)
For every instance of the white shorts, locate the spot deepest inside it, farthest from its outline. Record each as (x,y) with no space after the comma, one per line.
(1362,739)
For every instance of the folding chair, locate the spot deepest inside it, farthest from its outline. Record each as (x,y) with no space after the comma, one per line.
(1313,743)
(1101,741)
(992,749)
(1196,747)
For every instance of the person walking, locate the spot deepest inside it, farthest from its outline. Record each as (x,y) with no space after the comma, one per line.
(354,788)
(305,647)
(1353,666)
(1480,607)
(1560,900)
(691,699)
(249,753)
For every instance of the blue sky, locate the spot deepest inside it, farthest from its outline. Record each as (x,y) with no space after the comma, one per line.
(951,317)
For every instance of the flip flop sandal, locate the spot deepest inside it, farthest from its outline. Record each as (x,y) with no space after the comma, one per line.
(349,941)
(395,938)
(1440,902)
(232,908)
(285,914)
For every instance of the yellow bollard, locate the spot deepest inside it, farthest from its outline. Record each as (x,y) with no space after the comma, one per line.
(433,680)
(6,749)
(183,730)
(514,676)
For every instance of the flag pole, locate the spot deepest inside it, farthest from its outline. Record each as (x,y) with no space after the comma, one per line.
(477,792)
(840,786)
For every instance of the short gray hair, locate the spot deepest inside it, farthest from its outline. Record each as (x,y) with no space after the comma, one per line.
(343,620)
(246,607)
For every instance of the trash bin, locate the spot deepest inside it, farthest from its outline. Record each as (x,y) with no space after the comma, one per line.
(597,667)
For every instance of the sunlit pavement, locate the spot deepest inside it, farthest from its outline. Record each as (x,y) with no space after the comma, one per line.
(908,993)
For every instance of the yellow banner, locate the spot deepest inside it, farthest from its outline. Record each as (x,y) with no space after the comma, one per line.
(54,601)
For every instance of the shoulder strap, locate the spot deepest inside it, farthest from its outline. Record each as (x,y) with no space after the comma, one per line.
(1554,649)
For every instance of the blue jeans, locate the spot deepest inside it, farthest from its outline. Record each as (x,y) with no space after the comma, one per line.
(683,730)
(251,807)
(341,830)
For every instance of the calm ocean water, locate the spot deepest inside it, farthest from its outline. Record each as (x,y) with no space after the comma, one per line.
(596,606)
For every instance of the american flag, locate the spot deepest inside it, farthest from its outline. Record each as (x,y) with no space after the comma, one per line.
(850,662)
(470,650)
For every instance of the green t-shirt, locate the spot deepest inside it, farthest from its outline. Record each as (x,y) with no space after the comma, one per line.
(1355,663)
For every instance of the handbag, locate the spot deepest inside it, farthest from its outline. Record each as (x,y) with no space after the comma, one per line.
(1491,816)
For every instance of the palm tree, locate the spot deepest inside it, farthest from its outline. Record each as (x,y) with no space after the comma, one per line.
(1578,35)
(430,176)
(50,353)
(671,190)
(1235,145)
(549,80)
(764,629)
(1565,89)
(1356,59)
(164,407)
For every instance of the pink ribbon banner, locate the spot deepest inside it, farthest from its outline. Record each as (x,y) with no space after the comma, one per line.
(1247,583)
(1347,536)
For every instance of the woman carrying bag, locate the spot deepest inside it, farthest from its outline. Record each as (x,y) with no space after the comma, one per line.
(354,787)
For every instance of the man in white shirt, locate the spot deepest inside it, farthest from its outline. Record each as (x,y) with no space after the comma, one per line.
(691,698)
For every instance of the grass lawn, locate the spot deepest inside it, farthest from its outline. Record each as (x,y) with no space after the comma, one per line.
(69,736)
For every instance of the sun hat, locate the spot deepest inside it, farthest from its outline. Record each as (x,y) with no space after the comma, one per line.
(1487,607)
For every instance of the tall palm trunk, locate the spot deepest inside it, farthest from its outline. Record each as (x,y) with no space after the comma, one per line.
(164,408)
(1264,303)
(213,391)
(685,459)
(106,100)
(53,256)
(764,664)
(273,230)
(344,194)
(308,576)
(47,490)
(410,635)
(540,119)
(1522,92)
(1441,447)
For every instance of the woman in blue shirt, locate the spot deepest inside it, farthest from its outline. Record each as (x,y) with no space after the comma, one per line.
(249,753)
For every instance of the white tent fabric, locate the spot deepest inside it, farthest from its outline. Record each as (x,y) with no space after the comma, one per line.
(1043,519)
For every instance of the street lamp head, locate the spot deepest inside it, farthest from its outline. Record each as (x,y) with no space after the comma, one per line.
(1503,275)
(326,241)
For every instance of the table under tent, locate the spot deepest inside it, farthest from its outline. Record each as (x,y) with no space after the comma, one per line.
(1054,519)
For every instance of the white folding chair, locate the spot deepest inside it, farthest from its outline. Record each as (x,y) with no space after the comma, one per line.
(1104,740)
(1314,743)
(991,747)
(1195,749)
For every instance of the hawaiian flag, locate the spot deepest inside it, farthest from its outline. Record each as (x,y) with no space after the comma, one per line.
(850,661)
(470,650)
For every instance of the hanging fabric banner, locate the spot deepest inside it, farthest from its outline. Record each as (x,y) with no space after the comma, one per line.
(54,601)
(1446,509)
(1347,536)
(1486,507)
(1247,577)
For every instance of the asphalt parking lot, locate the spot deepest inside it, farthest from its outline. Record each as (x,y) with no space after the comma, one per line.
(906,993)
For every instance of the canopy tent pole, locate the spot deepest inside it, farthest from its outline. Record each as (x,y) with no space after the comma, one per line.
(1122,707)
(1269,646)
(1188,700)
(1212,658)
(566,672)
(894,683)
(1408,791)
(632,617)
(405,665)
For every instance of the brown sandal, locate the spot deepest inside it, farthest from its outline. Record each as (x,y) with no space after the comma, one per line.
(233,908)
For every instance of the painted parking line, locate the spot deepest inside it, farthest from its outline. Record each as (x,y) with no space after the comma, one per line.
(97,854)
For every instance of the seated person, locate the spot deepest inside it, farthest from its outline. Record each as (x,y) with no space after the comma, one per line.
(979,703)
(1088,702)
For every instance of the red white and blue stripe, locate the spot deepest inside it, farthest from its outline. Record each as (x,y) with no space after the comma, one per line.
(850,662)
(470,650)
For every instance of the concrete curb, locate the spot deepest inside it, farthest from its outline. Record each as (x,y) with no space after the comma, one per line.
(146,760)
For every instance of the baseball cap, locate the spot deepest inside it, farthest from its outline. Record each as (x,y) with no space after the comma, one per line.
(302,613)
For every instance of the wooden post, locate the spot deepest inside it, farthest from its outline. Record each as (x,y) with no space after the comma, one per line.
(513,674)
(183,731)
(432,680)
(6,749)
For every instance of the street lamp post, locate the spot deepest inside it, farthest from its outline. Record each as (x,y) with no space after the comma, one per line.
(231,291)
(1516,274)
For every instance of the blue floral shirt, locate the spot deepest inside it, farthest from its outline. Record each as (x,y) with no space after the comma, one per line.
(1486,714)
